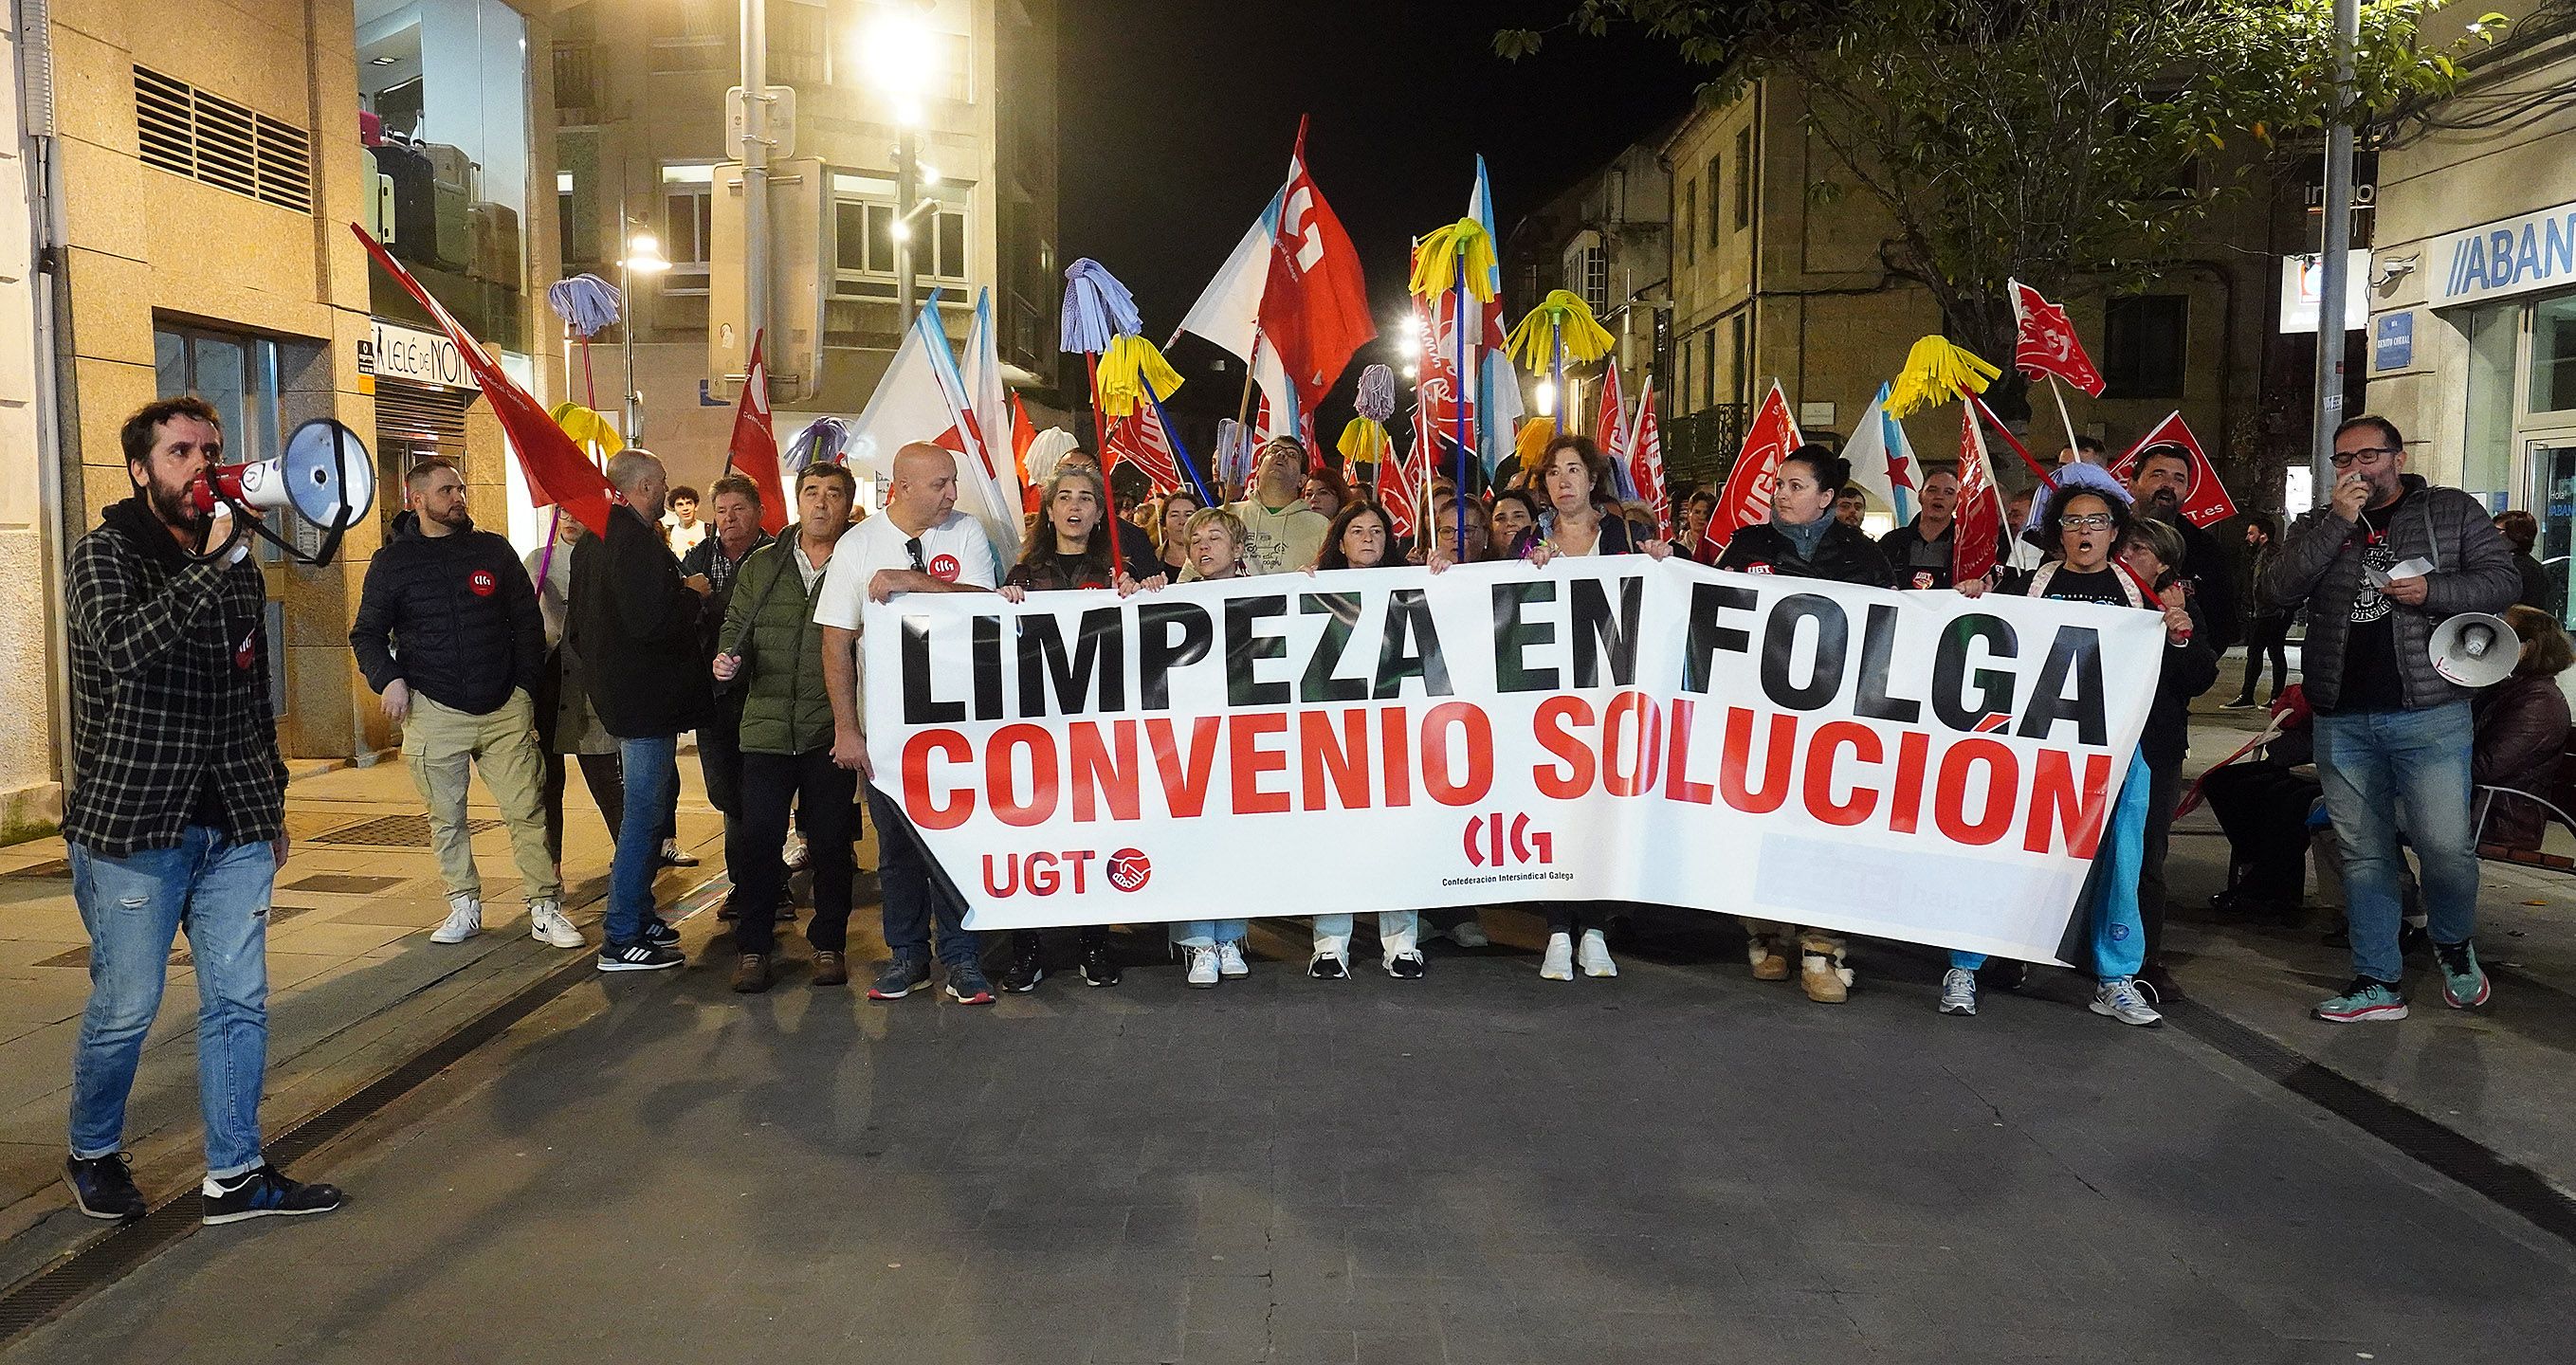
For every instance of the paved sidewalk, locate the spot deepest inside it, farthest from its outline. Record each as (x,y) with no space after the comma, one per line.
(356,987)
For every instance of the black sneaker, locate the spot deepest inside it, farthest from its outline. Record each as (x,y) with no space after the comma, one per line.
(2239,704)
(967,986)
(1098,967)
(103,1187)
(1028,966)
(658,932)
(638,956)
(265,1193)
(1406,966)
(900,977)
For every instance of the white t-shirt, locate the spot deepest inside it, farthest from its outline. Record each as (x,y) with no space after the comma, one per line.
(956,550)
(683,538)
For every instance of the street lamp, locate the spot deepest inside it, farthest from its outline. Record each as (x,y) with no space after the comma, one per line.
(643,257)
(900,54)
(1547,398)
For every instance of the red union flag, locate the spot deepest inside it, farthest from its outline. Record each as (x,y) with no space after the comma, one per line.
(2046,343)
(754,448)
(1644,451)
(1981,504)
(1139,438)
(2205,502)
(1314,307)
(1747,498)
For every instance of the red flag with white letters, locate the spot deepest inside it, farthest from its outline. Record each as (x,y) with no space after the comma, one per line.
(1644,451)
(2205,503)
(1314,307)
(2046,342)
(1747,498)
(1981,504)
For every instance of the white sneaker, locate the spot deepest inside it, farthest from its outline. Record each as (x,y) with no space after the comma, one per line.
(1958,991)
(547,925)
(1203,968)
(675,856)
(1595,955)
(1467,933)
(793,854)
(1558,965)
(464,920)
(1229,959)
(2118,998)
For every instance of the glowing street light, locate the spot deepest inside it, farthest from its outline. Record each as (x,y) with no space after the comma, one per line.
(1547,398)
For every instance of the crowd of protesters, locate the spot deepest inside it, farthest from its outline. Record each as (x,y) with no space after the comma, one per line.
(607,649)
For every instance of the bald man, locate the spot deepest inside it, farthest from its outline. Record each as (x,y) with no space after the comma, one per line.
(635,627)
(921,544)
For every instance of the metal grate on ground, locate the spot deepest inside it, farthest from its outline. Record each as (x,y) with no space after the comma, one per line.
(394,831)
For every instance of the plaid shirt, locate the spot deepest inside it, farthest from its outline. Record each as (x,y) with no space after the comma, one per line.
(708,557)
(171,663)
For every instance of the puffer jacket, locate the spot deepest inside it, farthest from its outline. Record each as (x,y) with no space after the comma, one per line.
(454,616)
(1844,555)
(2522,727)
(2319,565)
(785,709)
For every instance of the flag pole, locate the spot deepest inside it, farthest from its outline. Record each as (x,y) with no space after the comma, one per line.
(1458,318)
(1251,356)
(2058,391)
(1187,465)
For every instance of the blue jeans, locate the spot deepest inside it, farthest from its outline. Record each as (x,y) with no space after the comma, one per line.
(652,795)
(2381,769)
(916,892)
(134,908)
(2109,900)
(1207,933)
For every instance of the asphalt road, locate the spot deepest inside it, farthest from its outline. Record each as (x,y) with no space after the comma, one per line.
(1680,1165)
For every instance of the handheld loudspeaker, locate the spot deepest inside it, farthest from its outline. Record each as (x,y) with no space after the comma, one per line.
(2474,649)
(324,476)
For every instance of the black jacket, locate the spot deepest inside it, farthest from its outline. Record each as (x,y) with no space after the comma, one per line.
(635,626)
(1844,555)
(2319,564)
(454,616)
(2213,584)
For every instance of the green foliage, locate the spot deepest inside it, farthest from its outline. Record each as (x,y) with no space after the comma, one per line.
(2073,144)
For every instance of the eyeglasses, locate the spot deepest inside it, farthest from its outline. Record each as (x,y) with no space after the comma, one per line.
(913,547)
(2087,521)
(2345,459)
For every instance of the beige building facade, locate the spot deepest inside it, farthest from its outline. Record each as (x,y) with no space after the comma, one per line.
(2473,305)
(643,148)
(192,236)
(1775,282)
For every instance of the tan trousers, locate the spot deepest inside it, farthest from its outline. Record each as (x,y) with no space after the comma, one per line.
(443,747)
(1808,940)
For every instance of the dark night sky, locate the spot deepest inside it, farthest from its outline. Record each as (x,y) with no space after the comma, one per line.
(1177,117)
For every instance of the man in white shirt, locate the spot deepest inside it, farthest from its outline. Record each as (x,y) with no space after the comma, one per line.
(922,543)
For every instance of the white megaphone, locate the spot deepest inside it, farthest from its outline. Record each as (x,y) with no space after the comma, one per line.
(2474,649)
(324,475)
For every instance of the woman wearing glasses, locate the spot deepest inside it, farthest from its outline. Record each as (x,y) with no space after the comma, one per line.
(2091,519)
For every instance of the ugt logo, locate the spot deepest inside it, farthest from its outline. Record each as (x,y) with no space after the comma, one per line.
(1493,839)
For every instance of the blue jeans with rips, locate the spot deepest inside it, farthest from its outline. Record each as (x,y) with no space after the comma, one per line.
(134,908)
(2387,769)
(652,773)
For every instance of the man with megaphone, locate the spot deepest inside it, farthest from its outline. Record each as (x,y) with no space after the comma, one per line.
(448,631)
(2379,568)
(177,815)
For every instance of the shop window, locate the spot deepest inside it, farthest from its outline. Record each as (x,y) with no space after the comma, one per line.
(2553,355)
(2144,344)
(443,99)
(2487,447)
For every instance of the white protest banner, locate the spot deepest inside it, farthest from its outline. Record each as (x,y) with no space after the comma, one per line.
(1915,766)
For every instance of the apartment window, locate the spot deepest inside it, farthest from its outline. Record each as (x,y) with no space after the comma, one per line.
(1743,178)
(1681,388)
(1690,222)
(1714,180)
(863,216)
(2144,340)
(694,35)
(688,225)
(1739,345)
(800,51)
(1708,367)
(567,239)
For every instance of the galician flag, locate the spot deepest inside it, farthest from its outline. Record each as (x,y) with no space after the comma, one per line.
(923,398)
(1882,460)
